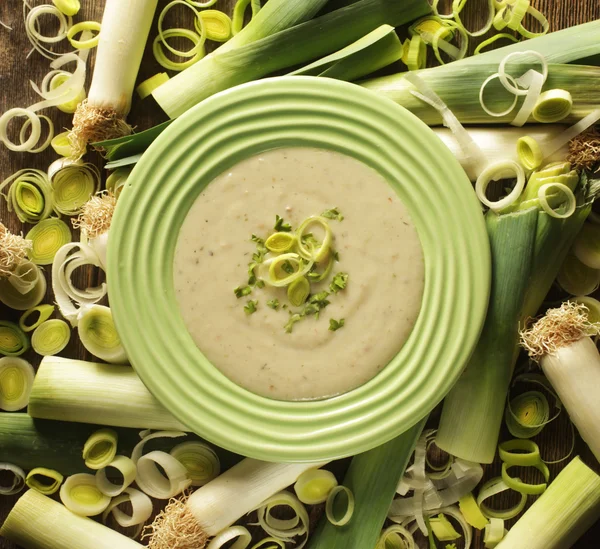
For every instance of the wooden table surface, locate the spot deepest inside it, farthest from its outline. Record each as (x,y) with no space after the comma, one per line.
(16,70)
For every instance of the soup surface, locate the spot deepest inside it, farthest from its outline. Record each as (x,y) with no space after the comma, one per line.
(376,244)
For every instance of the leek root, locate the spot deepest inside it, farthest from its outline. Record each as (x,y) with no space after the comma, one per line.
(569,358)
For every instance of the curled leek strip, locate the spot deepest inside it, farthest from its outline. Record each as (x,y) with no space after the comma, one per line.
(438,43)
(494,533)
(443,529)
(472,513)
(11,288)
(529,153)
(68,106)
(82,27)
(455,513)
(542,20)
(217,25)
(146,436)
(568,207)
(502,36)
(533,81)
(152,482)
(98,334)
(505,112)
(162,35)
(73,183)
(47,238)
(61,145)
(524,453)
(16,380)
(510,86)
(32,25)
(18,482)
(276,267)
(497,171)
(308,250)
(284,529)
(81,496)
(68,7)
(523,487)
(44,312)
(314,486)
(527,414)
(269,543)
(415,53)
(128,471)
(553,106)
(69,258)
(576,278)
(141,510)
(45,481)
(206,4)
(239,11)
(100,448)
(331,504)
(29,195)
(396,536)
(13,341)
(146,88)
(200,460)
(457,7)
(223,538)
(34,136)
(49,137)
(280,242)
(51,337)
(164,61)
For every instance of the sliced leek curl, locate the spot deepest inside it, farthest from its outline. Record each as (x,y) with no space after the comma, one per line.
(100,449)
(491,488)
(284,529)
(73,184)
(18,482)
(152,482)
(128,471)
(497,171)
(224,537)
(29,195)
(47,238)
(45,481)
(13,341)
(51,337)
(141,510)
(98,334)
(332,502)
(61,144)
(84,44)
(200,460)
(44,312)
(81,496)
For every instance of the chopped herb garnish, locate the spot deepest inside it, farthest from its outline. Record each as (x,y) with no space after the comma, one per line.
(280,225)
(338,283)
(250,307)
(334,213)
(242,291)
(290,323)
(260,283)
(273,303)
(309,240)
(287,267)
(257,239)
(336,256)
(336,324)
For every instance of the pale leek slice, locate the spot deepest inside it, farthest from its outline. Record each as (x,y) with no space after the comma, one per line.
(98,334)
(331,505)
(528,413)
(44,312)
(284,529)
(45,481)
(163,35)
(472,513)
(141,510)
(458,6)
(529,153)
(223,538)
(47,237)
(592,305)
(565,209)
(29,195)
(494,533)
(32,27)
(18,481)
(524,453)
(11,288)
(269,543)
(81,496)
(217,25)
(68,7)
(147,436)
(523,487)
(13,341)
(84,44)
(152,482)
(100,449)
(553,106)
(497,171)
(51,337)
(491,488)
(314,486)
(116,181)
(128,471)
(576,278)
(200,460)
(61,145)
(73,184)
(308,251)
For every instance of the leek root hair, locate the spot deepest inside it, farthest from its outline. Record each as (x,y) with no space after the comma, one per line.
(13,251)
(96,214)
(92,124)
(559,328)
(176,528)
(584,150)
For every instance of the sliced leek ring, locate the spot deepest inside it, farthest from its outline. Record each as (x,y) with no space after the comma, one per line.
(81,496)
(51,337)
(45,481)
(47,237)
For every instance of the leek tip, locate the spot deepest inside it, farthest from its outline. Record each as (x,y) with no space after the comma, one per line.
(559,328)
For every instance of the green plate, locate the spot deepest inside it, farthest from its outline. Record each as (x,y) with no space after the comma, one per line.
(243,122)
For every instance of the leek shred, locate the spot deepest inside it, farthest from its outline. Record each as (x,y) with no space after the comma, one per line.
(100,449)
(161,485)
(491,488)
(38,521)
(51,337)
(244,538)
(165,62)
(47,238)
(45,481)
(314,486)
(16,381)
(562,514)
(13,341)
(44,312)
(146,88)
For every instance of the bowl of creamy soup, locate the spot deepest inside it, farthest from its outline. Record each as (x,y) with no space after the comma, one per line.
(300,269)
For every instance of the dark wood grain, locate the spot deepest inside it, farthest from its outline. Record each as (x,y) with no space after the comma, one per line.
(16,70)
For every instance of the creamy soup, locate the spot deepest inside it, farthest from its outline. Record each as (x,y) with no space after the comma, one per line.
(376,244)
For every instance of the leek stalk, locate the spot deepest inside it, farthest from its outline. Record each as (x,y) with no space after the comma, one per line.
(125,28)
(238,61)
(528,248)
(459,84)
(38,522)
(75,390)
(569,506)
(372,478)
